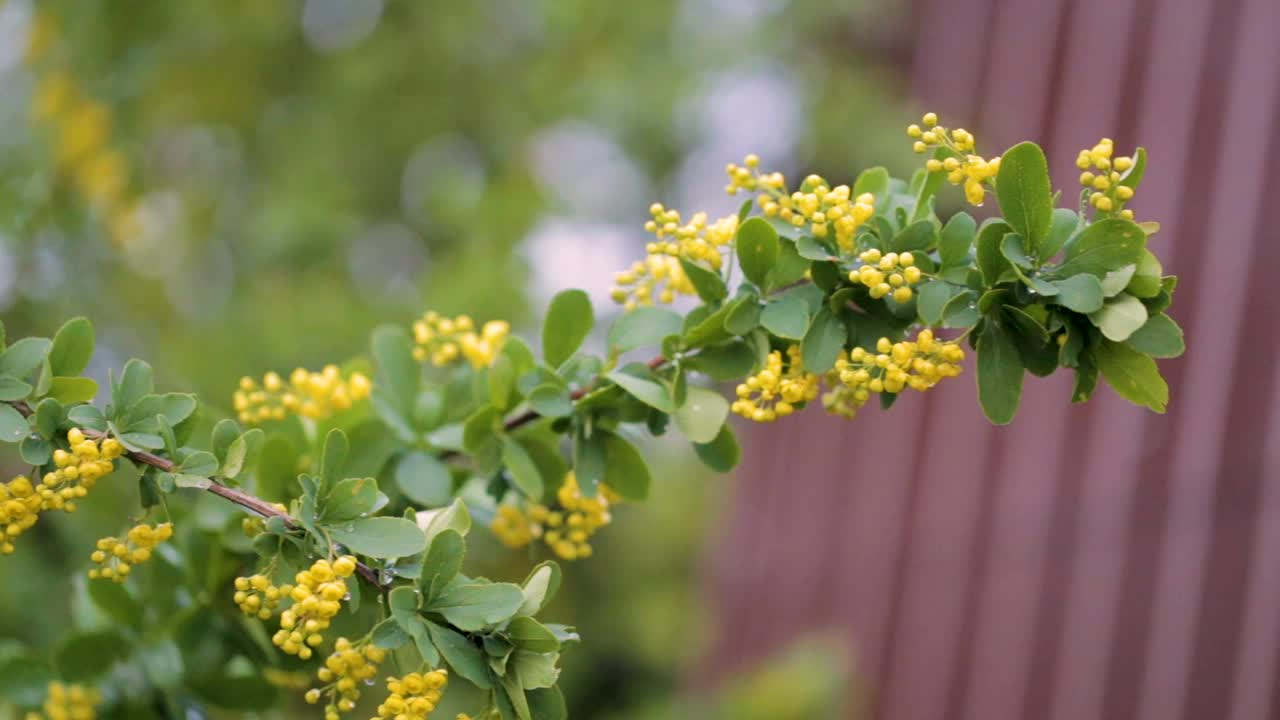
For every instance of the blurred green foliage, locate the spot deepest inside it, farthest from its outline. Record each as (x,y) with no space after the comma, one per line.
(310,168)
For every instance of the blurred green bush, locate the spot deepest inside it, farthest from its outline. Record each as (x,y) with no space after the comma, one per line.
(242,185)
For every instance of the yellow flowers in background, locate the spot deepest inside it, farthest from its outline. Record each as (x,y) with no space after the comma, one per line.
(414,696)
(117,556)
(349,668)
(774,392)
(1103,175)
(79,128)
(660,277)
(317,598)
(566,526)
(960,163)
(312,395)
(824,209)
(68,702)
(443,341)
(893,367)
(77,471)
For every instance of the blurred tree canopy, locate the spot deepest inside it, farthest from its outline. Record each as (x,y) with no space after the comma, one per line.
(282,174)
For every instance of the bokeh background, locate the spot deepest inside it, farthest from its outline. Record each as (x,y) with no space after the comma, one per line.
(272,178)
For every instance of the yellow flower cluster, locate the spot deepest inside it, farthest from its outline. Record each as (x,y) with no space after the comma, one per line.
(317,598)
(118,556)
(414,696)
(887,274)
(566,527)
(961,164)
(75,473)
(68,702)
(695,241)
(826,210)
(774,392)
(314,395)
(657,276)
(918,365)
(442,340)
(1102,173)
(256,596)
(350,666)
(81,131)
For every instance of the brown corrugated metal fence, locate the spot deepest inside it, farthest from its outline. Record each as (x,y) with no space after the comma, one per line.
(1089,561)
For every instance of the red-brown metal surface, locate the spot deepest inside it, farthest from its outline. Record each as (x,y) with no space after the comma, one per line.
(1089,561)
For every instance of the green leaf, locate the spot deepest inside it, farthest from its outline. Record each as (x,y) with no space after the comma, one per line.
(1133,176)
(514,693)
(702,415)
(464,658)
(1120,317)
(24,680)
(1000,373)
(757,249)
(1026,193)
(644,326)
(932,297)
(1061,227)
(529,634)
(991,260)
(501,378)
(722,453)
(729,361)
(11,388)
(1132,375)
(709,285)
(743,316)
(589,461)
(456,517)
(242,452)
(539,588)
(786,317)
(547,704)
(333,458)
(822,343)
(536,670)
(960,311)
(388,635)
(872,180)
(135,383)
(1117,280)
(35,450)
(550,400)
(916,236)
(522,468)
(625,470)
(20,358)
(1011,247)
(423,479)
(569,321)
(398,373)
(1104,246)
(72,347)
(1082,293)
(89,655)
(200,463)
(1146,277)
(811,248)
(1158,337)
(380,537)
(649,392)
(442,563)
(957,240)
(350,499)
(115,600)
(472,607)
(789,268)
(13,427)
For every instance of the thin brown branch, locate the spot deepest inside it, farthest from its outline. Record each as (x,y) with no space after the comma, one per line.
(239,497)
(265,509)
